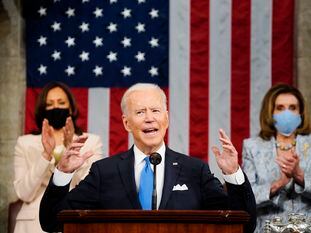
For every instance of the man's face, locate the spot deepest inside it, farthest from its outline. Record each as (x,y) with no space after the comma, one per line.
(146,118)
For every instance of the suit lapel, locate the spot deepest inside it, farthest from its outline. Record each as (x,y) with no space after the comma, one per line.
(126,171)
(172,168)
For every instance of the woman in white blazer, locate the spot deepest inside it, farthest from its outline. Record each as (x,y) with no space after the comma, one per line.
(278,161)
(56,114)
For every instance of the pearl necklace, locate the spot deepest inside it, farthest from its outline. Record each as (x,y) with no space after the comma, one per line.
(286,147)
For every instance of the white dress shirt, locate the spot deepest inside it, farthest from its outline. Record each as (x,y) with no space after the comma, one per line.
(139,165)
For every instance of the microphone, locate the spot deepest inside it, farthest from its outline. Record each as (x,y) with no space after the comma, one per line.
(155,159)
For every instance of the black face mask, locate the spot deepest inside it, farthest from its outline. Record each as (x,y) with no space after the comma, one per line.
(57,117)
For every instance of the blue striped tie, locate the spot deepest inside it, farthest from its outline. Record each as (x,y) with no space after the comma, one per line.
(146,185)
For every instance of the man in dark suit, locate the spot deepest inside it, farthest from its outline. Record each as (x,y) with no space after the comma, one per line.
(183,182)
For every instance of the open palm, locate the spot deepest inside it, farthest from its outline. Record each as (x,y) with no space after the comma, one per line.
(72,159)
(227,160)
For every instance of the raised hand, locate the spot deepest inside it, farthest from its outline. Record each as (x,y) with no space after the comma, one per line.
(47,139)
(227,160)
(69,131)
(72,159)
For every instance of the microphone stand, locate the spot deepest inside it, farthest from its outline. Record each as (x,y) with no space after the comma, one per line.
(154,190)
(155,159)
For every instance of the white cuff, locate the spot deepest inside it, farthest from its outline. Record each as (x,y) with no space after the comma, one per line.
(235,178)
(61,178)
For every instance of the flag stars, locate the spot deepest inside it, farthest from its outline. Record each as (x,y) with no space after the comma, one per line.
(154,42)
(56,55)
(126,13)
(153,71)
(98,70)
(112,56)
(56,26)
(126,71)
(42,11)
(70,70)
(98,12)
(140,27)
(84,56)
(42,69)
(70,12)
(84,27)
(70,41)
(98,41)
(126,42)
(42,40)
(140,56)
(154,13)
(112,27)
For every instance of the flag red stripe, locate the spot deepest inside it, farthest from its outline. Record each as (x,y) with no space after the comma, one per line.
(199,79)
(117,134)
(283,41)
(81,96)
(240,72)
(31,97)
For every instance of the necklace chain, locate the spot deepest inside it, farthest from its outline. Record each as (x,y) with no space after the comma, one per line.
(285,146)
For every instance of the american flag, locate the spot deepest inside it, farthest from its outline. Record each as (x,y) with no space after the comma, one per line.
(214,58)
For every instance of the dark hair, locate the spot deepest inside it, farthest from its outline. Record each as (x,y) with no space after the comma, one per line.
(41,105)
(267,129)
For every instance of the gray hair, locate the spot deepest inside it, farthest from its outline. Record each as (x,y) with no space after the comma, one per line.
(142,87)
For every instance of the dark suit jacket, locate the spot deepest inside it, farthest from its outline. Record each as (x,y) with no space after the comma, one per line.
(111,185)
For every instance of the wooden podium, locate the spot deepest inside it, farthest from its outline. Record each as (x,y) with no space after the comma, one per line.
(160,221)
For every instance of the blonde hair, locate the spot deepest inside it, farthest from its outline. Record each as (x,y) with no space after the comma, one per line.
(142,87)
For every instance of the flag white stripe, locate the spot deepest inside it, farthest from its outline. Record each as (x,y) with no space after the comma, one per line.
(98,115)
(261,47)
(220,74)
(179,62)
